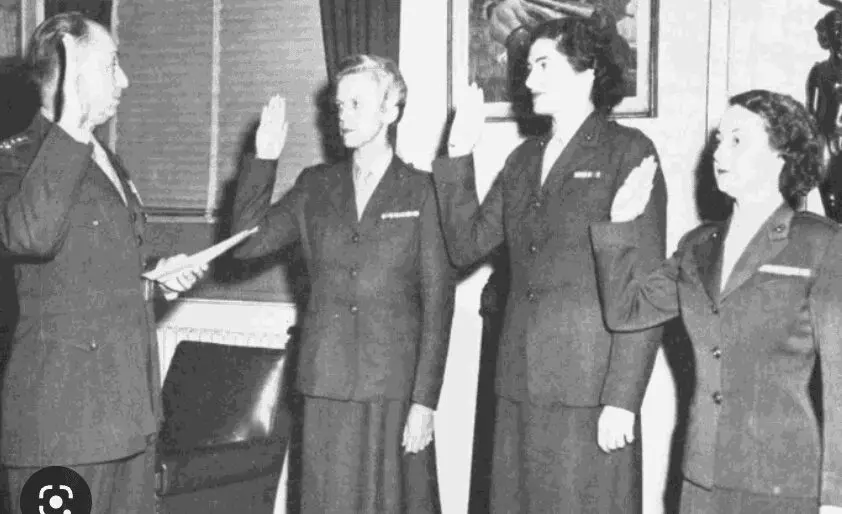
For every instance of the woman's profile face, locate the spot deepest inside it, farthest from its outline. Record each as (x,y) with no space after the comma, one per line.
(363,117)
(744,162)
(553,82)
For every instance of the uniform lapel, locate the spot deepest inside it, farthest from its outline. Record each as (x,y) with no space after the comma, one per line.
(40,127)
(523,190)
(106,185)
(385,195)
(123,175)
(588,136)
(530,179)
(340,192)
(135,202)
(708,257)
(772,237)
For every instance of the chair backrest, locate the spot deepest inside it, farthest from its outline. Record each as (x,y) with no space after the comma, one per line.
(215,394)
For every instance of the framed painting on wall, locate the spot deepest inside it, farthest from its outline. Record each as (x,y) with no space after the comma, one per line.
(481,31)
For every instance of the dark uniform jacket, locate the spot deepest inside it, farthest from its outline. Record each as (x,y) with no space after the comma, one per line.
(82,378)
(8,307)
(378,317)
(555,347)
(752,425)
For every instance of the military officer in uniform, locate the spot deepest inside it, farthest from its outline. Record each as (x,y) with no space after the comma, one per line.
(760,295)
(377,323)
(568,390)
(80,388)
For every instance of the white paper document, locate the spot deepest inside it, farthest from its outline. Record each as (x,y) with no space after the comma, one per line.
(197,259)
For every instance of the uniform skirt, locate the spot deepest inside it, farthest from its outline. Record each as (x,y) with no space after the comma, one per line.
(351,460)
(546,459)
(698,500)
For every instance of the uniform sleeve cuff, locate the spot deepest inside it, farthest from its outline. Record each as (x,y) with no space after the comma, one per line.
(430,401)
(629,404)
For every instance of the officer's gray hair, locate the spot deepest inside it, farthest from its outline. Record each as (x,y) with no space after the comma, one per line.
(46,52)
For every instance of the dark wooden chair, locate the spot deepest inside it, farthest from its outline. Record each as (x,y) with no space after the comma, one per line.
(225,430)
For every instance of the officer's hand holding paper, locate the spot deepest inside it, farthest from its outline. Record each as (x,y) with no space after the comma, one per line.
(179,273)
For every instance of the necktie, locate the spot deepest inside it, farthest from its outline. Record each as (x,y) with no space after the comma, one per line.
(363,188)
(551,153)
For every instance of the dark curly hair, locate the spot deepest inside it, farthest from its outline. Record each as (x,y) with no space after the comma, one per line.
(591,43)
(793,132)
(828,28)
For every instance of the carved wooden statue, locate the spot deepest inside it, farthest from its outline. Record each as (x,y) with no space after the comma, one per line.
(824,97)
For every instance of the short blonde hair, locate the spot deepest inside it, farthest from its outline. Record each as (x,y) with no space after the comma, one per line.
(385,72)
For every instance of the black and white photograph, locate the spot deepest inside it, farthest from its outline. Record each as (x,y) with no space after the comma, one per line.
(420,257)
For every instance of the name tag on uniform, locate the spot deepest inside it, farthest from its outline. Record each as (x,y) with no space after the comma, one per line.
(790,271)
(399,215)
(587,174)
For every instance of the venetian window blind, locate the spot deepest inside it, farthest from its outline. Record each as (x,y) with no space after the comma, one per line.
(199,73)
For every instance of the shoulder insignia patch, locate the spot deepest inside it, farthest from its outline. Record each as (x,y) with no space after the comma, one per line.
(13,142)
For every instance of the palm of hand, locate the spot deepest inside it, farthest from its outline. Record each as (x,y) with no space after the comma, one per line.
(468,121)
(74,111)
(271,134)
(633,196)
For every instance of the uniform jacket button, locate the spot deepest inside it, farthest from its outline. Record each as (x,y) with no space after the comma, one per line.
(717,352)
(355,238)
(354,309)
(93,345)
(533,248)
(717,397)
(530,295)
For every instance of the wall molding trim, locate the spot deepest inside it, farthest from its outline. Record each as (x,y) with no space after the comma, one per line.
(719,36)
(242,323)
(231,315)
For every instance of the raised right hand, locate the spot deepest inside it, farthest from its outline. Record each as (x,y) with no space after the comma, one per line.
(468,121)
(272,132)
(74,111)
(633,196)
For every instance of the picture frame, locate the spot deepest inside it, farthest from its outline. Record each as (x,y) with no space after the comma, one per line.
(476,54)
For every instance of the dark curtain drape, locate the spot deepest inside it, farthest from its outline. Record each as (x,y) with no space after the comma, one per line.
(19,101)
(360,26)
(353,27)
